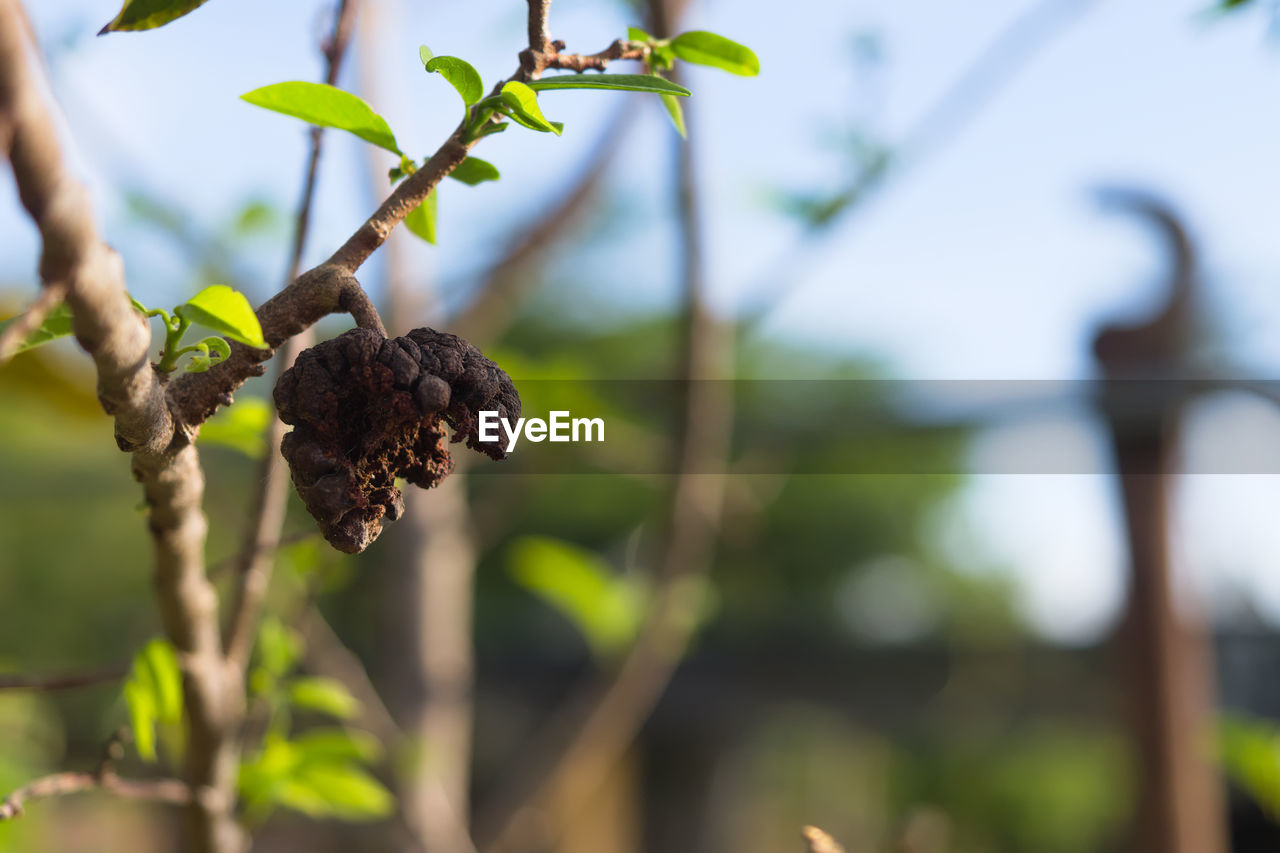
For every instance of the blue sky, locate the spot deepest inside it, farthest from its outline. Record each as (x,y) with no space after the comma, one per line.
(988,259)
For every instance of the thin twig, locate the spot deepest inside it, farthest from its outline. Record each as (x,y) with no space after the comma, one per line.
(24,324)
(103,778)
(590,734)
(257,555)
(61,784)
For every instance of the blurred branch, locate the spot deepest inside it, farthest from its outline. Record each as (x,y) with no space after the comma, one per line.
(68,681)
(271,499)
(498,296)
(819,841)
(102,778)
(957,108)
(28,322)
(588,737)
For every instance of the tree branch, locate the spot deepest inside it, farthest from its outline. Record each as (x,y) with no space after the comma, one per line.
(164,461)
(102,778)
(61,784)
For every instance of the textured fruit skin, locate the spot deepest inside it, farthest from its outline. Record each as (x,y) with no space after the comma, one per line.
(366,409)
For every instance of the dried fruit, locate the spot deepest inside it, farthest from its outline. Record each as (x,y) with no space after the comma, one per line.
(367,409)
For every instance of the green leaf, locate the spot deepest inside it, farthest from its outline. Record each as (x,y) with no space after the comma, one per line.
(1249,749)
(279,647)
(325,106)
(522,103)
(205,351)
(335,745)
(341,790)
(422,219)
(162,663)
(148,14)
(241,427)
(637,34)
(458,72)
(618,82)
(153,693)
(605,607)
(324,695)
(703,48)
(676,112)
(226,311)
(142,718)
(473,170)
(57,324)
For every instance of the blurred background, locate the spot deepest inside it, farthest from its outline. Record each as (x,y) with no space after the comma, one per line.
(1002,608)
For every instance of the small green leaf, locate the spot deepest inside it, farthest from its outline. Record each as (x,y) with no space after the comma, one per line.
(148,14)
(676,112)
(162,662)
(491,129)
(342,790)
(142,718)
(207,349)
(619,82)
(325,106)
(332,745)
(57,324)
(523,105)
(241,427)
(153,693)
(422,219)
(605,607)
(703,48)
(226,311)
(425,54)
(473,170)
(458,72)
(637,34)
(324,695)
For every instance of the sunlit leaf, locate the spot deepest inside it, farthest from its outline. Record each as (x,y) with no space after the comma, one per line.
(465,79)
(226,311)
(422,219)
(141,702)
(523,105)
(153,694)
(148,14)
(241,426)
(326,106)
(162,662)
(619,82)
(703,48)
(637,34)
(473,170)
(57,324)
(324,695)
(341,790)
(333,745)
(1250,753)
(605,607)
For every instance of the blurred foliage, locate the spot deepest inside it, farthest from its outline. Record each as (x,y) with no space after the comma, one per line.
(1249,749)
